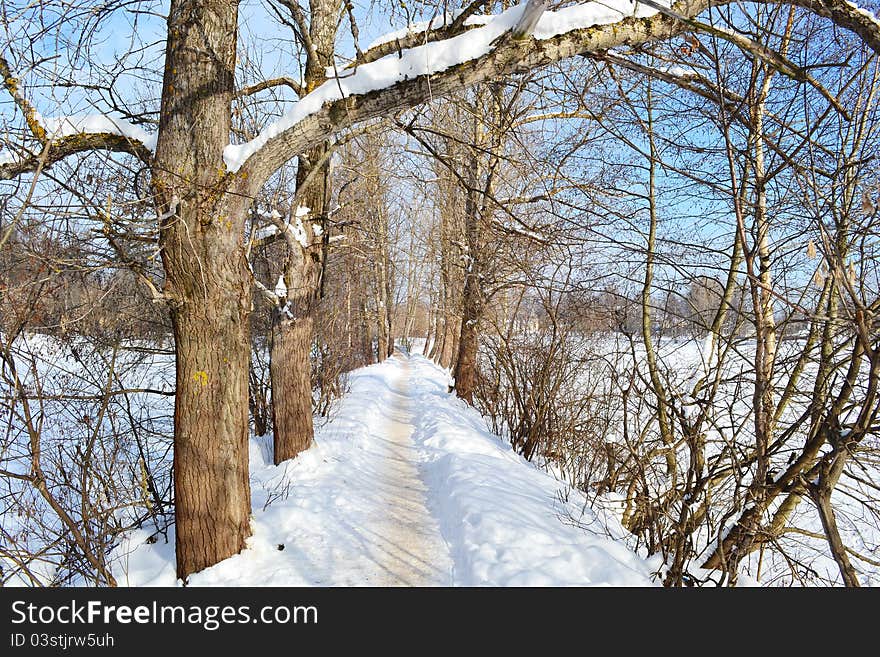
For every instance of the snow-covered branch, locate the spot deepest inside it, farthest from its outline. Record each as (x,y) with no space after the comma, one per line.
(450,56)
(417,74)
(438,67)
(67,135)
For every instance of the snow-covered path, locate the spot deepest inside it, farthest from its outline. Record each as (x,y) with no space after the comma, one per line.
(405,487)
(407,546)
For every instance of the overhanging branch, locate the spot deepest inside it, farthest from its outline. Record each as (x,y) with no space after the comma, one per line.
(509,56)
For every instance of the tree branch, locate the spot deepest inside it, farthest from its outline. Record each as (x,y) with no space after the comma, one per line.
(72,145)
(509,56)
(268,84)
(53,151)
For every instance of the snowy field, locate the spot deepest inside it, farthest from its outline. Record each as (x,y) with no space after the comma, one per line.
(609,363)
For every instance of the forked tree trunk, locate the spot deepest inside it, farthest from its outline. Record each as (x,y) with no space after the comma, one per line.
(207,282)
(293,327)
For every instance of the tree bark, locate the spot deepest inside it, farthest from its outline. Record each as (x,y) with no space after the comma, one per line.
(207,282)
(450,351)
(211,485)
(487,136)
(465,373)
(385,339)
(821,492)
(290,369)
(293,323)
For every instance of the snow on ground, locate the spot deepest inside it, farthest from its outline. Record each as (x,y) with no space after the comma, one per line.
(504,519)
(405,486)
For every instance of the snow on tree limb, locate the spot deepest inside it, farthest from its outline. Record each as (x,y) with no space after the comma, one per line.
(68,135)
(463,53)
(54,151)
(415,75)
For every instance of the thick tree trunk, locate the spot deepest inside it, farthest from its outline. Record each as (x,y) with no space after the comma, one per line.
(382,340)
(290,369)
(450,347)
(385,340)
(465,372)
(383,334)
(439,336)
(451,334)
(366,340)
(207,282)
(293,325)
(211,486)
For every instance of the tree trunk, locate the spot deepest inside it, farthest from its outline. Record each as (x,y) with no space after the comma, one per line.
(439,335)
(388,293)
(429,334)
(290,369)
(208,284)
(258,402)
(450,347)
(821,492)
(383,336)
(382,340)
(838,549)
(465,373)
(211,485)
(293,325)
(366,338)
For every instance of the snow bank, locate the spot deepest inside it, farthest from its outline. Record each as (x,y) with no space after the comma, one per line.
(505,520)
